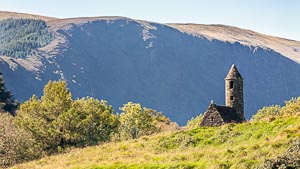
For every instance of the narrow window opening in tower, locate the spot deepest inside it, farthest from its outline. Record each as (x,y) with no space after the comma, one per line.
(231,85)
(212,119)
(231,97)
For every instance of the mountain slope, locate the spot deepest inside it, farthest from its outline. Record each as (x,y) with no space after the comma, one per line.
(286,47)
(175,69)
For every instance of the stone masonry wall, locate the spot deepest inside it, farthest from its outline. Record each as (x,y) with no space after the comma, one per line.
(237,92)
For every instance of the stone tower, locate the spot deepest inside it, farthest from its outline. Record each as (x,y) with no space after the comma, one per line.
(234,91)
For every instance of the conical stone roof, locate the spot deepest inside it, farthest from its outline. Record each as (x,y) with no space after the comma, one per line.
(233,73)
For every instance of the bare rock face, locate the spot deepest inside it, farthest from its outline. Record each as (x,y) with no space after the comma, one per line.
(290,160)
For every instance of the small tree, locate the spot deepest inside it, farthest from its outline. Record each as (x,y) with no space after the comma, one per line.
(7,102)
(88,122)
(40,117)
(136,121)
(56,121)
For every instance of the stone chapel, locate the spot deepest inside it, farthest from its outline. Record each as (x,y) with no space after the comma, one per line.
(233,112)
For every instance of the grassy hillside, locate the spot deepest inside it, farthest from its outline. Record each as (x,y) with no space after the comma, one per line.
(231,146)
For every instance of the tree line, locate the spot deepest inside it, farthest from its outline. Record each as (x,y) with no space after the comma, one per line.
(20,37)
(56,122)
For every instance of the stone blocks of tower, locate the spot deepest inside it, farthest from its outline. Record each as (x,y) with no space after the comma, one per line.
(234,90)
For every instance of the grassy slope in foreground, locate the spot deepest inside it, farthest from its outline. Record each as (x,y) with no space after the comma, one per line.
(231,146)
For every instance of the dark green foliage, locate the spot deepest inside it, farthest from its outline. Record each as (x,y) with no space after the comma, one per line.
(20,37)
(7,102)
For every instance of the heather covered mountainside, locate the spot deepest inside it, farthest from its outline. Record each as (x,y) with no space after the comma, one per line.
(174,68)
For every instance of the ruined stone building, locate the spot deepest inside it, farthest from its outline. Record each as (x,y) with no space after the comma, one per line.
(233,112)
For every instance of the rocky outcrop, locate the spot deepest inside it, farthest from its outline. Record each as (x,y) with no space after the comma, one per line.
(290,160)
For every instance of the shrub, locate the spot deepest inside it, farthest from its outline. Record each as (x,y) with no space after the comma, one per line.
(194,122)
(88,122)
(292,107)
(136,121)
(16,145)
(269,113)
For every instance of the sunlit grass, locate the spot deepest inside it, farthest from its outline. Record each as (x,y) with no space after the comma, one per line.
(240,146)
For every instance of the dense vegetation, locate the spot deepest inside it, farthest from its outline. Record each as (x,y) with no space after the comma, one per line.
(20,37)
(269,113)
(55,123)
(235,146)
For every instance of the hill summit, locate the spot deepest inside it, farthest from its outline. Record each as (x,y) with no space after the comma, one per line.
(173,68)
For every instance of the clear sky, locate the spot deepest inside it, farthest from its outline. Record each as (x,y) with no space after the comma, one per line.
(273,17)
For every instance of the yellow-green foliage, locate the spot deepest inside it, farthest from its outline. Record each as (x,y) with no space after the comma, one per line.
(292,107)
(238,146)
(136,121)
(16,145)
(194,122)
(269,113)
(56,121)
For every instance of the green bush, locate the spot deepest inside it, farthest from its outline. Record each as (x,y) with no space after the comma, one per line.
(267,113)
(270,113)
(136,121)
(57,122)
(194,122)
(88,122)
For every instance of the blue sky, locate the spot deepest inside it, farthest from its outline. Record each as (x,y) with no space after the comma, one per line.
(273,17)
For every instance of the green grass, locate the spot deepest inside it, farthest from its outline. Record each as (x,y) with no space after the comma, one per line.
(240,146)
